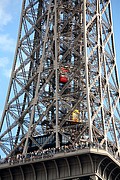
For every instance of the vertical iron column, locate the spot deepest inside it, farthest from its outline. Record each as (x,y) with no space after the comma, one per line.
(86,71)
(56,73)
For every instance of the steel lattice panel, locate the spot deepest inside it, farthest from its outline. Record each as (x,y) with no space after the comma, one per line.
(64,85)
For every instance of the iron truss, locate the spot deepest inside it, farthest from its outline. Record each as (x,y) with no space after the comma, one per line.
(64,83)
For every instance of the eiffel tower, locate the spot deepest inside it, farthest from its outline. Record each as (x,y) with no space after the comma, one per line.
(62,113)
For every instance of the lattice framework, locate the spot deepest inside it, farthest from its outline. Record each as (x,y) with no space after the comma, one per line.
(77,36)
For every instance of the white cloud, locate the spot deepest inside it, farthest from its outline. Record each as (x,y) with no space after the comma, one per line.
(7,73)
(7,43)
(5,68)
(5,15)
(1,113)
(4,61)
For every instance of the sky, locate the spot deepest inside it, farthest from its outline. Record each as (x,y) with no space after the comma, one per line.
(9,23)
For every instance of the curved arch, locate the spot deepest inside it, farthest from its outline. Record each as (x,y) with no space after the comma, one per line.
(100,164)
(10,174)
(34,173)
(112,172)
(106,168)
(23,177)
(56,166)
(91,162)
(117,176)
(80,165)
(68,166)
(46,174)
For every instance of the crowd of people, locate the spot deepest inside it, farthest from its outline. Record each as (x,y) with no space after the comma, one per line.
(51,152)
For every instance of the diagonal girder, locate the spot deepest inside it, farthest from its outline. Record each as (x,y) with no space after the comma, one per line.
(64,86)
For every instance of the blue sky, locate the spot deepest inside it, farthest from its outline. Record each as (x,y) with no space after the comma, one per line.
(9,23)
(116,28)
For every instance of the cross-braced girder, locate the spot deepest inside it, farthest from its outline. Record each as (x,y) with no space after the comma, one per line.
(64,86)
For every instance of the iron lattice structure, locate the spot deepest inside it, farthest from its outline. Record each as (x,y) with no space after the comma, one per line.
(64,84)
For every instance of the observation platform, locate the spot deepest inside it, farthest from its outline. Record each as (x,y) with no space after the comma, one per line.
(73,163)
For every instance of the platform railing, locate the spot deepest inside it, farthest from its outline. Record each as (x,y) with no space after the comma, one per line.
(63,150)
